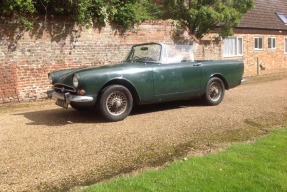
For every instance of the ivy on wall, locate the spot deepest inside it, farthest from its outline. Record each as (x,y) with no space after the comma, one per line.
(124,13)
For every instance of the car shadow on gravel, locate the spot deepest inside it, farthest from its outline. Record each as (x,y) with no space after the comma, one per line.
(58,117)
(196,102)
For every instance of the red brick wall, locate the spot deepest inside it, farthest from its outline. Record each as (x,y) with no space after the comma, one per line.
(26,57)
(8,83)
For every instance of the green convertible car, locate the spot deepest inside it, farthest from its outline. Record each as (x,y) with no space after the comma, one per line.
(151,73)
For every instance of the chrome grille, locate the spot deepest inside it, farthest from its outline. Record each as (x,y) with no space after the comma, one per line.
(61,88)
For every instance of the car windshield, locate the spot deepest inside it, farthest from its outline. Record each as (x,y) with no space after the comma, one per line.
(177,54)
(145,52)
(166,54)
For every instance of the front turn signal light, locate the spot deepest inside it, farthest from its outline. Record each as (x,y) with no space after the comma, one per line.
(81,92)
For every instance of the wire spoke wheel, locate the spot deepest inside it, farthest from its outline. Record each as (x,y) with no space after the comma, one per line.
(215,91)
(116,103)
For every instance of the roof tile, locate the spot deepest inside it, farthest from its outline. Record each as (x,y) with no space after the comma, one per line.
(264,16)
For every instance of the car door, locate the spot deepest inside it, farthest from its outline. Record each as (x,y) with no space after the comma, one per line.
(176,80)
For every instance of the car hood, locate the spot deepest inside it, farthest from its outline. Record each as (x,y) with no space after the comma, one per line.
(66,76)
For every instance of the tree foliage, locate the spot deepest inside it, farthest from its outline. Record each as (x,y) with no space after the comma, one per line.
(202,16)
(199,16)
(122,12)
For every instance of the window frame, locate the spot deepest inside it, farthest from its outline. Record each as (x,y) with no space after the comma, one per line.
(282,17)
(273,43)
(239,52)
(262,40)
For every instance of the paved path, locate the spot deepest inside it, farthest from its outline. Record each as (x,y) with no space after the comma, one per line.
(43,147)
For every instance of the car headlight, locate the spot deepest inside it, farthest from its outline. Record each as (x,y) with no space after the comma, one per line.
(50,78)
(75,82)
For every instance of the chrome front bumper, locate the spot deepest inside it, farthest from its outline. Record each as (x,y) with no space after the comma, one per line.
(67,97)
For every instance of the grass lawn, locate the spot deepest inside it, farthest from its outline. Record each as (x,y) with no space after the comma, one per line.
(261,166)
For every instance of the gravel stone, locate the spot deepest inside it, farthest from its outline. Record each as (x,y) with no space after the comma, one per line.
(44,147)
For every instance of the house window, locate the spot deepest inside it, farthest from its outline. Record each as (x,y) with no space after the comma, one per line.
(233,46)
(271,43)
(258,43)
(285,50)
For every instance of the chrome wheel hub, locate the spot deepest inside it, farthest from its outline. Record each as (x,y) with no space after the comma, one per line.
(214,91)
(116,103)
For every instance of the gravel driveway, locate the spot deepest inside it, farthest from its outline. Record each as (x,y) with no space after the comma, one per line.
(44,147)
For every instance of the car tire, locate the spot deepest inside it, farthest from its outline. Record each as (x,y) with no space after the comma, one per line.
(115,103)
(214,92)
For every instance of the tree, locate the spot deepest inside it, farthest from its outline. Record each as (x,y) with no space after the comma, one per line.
(124,13)
(202,16)
(199,16)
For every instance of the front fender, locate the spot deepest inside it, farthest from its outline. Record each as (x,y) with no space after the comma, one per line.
(126,83)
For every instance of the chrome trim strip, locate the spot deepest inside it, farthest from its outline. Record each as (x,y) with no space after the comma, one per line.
(68,97)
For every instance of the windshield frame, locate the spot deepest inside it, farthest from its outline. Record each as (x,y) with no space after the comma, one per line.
(145,61)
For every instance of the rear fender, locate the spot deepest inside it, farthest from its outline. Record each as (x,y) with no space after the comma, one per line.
(223,80)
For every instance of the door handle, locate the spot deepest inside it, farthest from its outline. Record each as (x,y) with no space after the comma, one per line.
(197,64)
